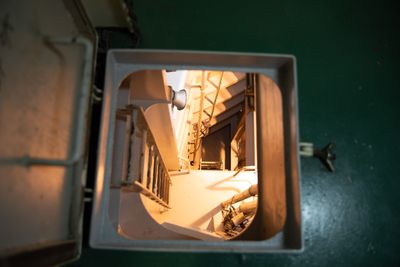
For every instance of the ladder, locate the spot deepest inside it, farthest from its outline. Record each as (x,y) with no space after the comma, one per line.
(143,168)
(201,127)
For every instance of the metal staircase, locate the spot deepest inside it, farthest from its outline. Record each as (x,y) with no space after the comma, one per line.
(213,103)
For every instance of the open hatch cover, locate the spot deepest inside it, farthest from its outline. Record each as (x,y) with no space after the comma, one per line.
(46,74)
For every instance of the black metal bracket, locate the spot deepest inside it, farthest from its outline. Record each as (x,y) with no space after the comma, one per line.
(326,156)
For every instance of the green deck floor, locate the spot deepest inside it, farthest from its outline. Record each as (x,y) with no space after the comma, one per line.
(348,55)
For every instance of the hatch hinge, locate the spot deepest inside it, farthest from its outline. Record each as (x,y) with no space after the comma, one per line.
(97,94)
(88,194)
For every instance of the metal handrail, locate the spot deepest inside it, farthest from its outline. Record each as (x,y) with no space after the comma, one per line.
(216,95)
(201,106)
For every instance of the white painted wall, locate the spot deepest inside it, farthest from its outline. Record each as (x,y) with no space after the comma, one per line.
(181,80)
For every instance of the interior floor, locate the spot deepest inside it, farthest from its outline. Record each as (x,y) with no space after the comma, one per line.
(200,209)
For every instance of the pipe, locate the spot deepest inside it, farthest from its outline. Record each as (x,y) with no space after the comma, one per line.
(248,207)
(251,191)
